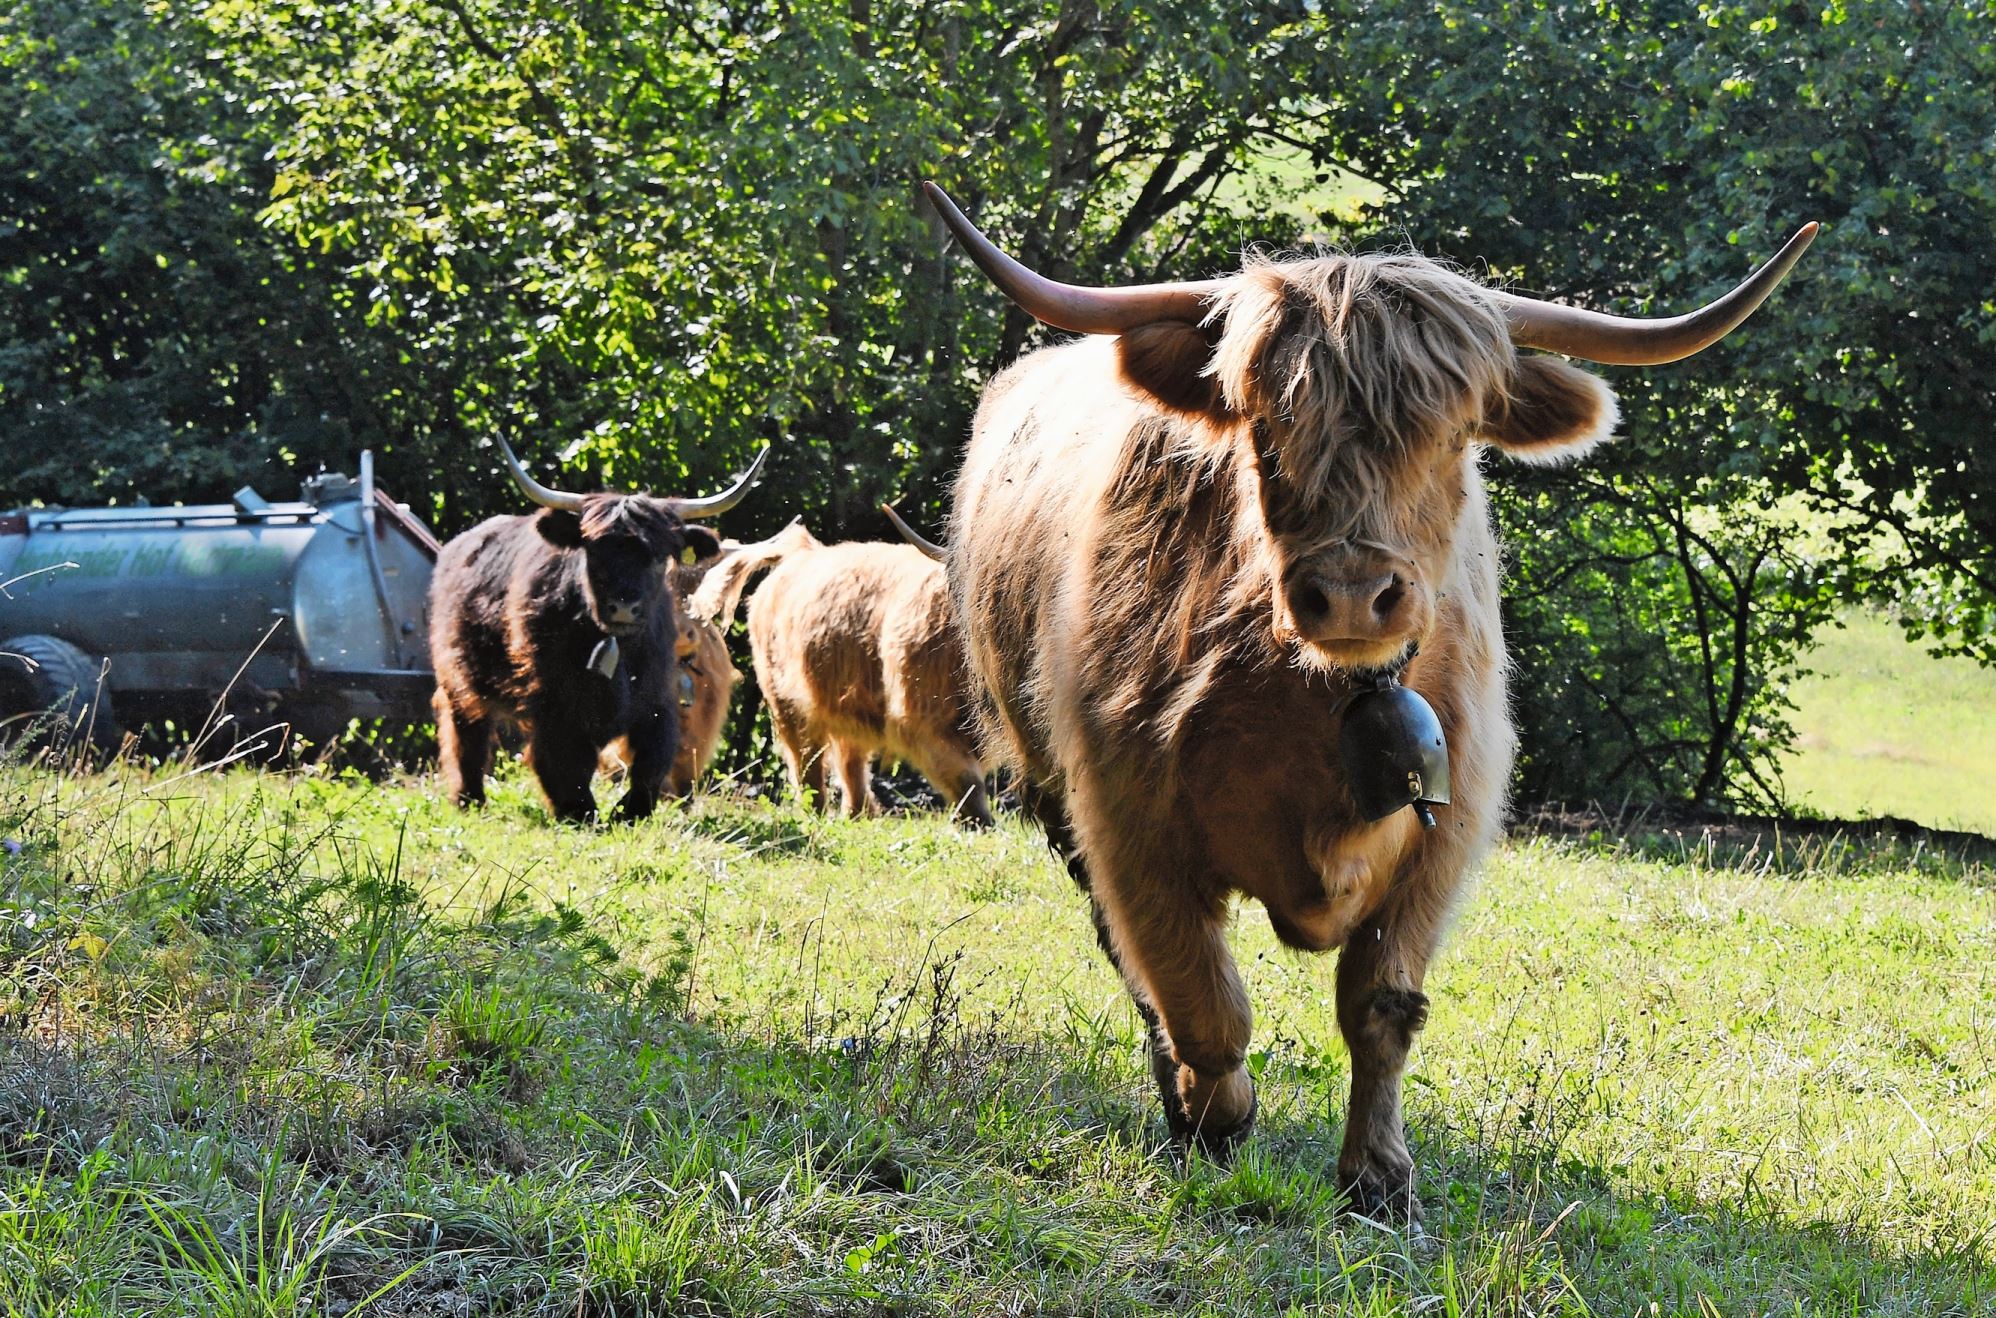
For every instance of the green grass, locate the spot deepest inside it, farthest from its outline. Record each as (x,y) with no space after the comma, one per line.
(1883,728)
(284,1045)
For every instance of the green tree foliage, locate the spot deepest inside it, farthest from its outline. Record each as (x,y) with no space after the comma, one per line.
(155,339)
(643,237)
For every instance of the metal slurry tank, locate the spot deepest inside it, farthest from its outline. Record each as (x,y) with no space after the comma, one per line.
(313,611)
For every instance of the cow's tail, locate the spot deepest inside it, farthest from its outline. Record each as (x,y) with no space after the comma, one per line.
(720,592)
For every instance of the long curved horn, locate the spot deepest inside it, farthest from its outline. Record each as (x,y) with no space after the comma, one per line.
(914,537)
(713,505)
(1622,341)
(1070,306)
(533,489)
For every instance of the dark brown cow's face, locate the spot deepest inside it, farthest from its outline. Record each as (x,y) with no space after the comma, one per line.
(628,543)
(1362,385)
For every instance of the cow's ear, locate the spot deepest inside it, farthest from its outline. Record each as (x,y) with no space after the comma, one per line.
(1553,412)
(561,529)
(1171,361)
(703,542)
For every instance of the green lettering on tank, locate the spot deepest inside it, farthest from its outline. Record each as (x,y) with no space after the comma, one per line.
(212,560)
(146,560)
(155,560)
(89,562)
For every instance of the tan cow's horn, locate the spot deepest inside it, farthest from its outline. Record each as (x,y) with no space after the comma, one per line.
(1070,306)
(1621,341)
(713,505)
(914,537)
(1589,335)
(533,489)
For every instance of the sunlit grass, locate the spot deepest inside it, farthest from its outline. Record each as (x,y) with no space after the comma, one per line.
(275,1045)
(1884,728)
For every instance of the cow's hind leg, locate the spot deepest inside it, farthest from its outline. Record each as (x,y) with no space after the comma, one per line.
(1380,1008)
(1046,808)
(851,762)
(803,758)
(464,751)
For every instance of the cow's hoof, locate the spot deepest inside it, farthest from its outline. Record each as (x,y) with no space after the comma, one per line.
(1382,1195)
(1210,1138)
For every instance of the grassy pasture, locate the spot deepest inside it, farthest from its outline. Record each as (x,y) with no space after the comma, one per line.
(1883,728)
(277,1045)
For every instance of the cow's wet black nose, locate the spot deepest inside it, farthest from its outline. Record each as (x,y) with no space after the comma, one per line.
(1309,602)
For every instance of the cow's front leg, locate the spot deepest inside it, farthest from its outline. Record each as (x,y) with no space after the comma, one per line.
(1380,1008)
(654,742)
(564,763)
(1043,805)
(1167,930)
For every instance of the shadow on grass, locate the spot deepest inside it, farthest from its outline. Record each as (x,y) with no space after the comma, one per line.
(1766,845)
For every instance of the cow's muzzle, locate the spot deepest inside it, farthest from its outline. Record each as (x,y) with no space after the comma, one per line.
(1366,618)
(623,619)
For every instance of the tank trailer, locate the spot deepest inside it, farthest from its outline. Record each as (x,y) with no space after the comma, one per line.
(310,613)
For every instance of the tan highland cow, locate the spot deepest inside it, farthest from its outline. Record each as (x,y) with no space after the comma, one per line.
(1179,546)
(706,689)
(856,657)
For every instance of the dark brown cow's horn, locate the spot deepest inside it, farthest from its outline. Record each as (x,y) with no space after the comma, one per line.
(713,505)
(914,537)
(1070,306)
(533,489)
(1621,341)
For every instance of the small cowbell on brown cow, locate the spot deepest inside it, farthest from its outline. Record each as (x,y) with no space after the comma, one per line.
(1182,546)
(564,622)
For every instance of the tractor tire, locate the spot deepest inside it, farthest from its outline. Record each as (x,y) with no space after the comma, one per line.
(47,676)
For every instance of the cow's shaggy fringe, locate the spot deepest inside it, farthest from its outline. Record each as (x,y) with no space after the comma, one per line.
(1394,348)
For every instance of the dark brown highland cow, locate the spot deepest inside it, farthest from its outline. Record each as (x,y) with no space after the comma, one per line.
(703,685)
(564,623)
(1179,548)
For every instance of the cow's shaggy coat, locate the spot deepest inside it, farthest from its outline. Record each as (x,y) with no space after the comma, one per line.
(856,656)
(1171,551)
